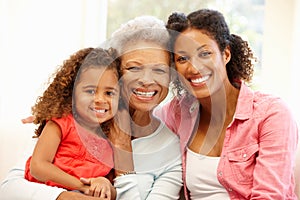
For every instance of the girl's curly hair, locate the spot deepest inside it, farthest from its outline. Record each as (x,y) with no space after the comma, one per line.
(212,23)
(56,101)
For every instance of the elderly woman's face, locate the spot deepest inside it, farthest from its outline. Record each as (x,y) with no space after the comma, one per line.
(145,75)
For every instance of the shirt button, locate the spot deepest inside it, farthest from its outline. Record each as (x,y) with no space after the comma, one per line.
(220,173)
(229,189)
(244,155)
(194,106)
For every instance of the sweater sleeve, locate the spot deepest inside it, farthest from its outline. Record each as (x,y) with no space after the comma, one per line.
(127,187)
(168,185)
(141,186)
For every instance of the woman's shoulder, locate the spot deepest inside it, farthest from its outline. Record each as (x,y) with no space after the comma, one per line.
(181,102)
(175,107)
(262,98)
(268,104)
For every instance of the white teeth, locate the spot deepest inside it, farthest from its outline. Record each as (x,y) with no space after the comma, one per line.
(200,80)
(99,111)
(146,94)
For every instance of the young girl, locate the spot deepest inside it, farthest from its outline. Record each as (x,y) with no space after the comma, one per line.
(60,158)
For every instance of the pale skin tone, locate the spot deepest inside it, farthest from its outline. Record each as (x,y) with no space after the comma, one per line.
(95,99)
(199,60)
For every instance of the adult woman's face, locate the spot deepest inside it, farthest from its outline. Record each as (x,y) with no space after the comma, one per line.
(199,60)
(145,75)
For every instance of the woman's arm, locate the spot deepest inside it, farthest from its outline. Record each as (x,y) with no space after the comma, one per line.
(42,167)
(145,186)
(16,187)
(278,137)
(68,195)
(168,185)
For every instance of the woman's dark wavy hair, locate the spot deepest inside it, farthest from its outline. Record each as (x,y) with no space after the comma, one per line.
(213,24)
(56,101)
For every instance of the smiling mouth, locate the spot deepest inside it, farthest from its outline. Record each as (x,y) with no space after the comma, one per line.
(101,111)
(200,80)
(144,94)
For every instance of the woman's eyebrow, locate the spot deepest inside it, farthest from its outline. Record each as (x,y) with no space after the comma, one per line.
(183,51)
(133,61)
(180,52)
(201,47)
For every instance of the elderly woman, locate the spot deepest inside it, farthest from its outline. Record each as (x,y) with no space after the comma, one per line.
(155,171)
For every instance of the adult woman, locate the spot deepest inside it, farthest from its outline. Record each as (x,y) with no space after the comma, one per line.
(156,159)
(242,143)
(147,159)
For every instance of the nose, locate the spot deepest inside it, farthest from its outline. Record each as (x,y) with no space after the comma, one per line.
(146,78)
(194,66)
(99,98)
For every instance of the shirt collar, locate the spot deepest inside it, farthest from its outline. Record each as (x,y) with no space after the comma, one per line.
(244,108)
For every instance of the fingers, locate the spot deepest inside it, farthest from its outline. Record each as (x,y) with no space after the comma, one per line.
(85,181)
(28,120)
(100,191)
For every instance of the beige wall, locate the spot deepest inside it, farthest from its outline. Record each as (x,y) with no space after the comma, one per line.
(280,58)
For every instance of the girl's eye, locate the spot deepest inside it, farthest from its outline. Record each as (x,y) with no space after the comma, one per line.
(110,93)
(90,91)
(182,59)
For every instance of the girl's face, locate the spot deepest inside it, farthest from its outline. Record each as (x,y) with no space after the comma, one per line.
(145,75)
(199,60)
(96,96)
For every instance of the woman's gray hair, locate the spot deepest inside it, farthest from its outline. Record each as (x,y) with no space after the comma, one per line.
(140,29)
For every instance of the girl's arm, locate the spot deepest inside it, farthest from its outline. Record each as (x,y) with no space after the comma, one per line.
(42,167)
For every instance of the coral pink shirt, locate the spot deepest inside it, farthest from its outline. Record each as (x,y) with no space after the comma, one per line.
(258,155)
(80,153)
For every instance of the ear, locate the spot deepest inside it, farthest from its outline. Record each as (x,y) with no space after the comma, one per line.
(227,54)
